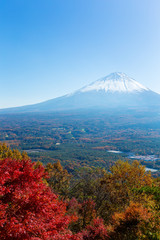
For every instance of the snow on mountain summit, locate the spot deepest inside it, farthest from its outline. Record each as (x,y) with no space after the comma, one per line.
(115,82)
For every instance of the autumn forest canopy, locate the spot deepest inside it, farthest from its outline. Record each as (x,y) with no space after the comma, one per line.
(46,202)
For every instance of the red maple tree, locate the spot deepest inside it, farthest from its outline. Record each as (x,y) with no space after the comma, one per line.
(28,208)
(95,231)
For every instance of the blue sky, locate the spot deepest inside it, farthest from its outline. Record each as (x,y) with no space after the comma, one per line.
(52,47)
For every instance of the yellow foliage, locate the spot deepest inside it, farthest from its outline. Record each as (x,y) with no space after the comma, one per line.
(6,152)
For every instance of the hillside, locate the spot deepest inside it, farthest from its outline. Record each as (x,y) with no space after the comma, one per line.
(92,204)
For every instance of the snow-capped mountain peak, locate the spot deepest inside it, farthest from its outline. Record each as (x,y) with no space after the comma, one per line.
(115,82)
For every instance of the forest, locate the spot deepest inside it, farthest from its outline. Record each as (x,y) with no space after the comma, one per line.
(46,202)
(85,138)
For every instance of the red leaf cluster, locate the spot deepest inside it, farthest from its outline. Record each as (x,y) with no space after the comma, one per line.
(96,231)
(28,208)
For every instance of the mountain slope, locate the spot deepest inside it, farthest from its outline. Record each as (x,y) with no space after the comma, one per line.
(116,90)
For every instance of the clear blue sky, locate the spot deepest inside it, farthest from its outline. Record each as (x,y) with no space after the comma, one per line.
(52,47)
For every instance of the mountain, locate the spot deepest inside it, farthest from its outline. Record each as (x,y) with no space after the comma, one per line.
(116,90)
(115,82)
